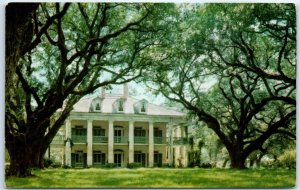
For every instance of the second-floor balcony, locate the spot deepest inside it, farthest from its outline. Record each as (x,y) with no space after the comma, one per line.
(59,139)
(100,139)
(120,139)
(141,140)
(79,138)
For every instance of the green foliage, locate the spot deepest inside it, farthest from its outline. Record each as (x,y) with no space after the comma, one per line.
(66,167)
(110,165)
(75,49)
(232,66)
(50,162)
(134,165)
(288,159)
(167,166)
(205,165)
(47,162)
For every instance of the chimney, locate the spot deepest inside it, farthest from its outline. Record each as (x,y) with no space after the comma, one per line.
(103,92)
(125,90)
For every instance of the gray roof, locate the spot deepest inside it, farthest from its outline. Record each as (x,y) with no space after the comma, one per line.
(84,105)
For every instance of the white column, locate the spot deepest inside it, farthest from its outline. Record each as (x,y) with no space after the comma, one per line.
(151,145)
(68,144)
(110,141)
(176,156)
(131,142)
(90,143)
(182,131)
(183,150)
(184,155)
(171,145)
(177,131)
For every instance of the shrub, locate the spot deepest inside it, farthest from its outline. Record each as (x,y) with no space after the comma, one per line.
(205,165)
(288,159)
(51,163)
(110,165)
(268,164)
(66,167)
(167,166)
(6,170)
(47,162)
(134,165)
(56,165)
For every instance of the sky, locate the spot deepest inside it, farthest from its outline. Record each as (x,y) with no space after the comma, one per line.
(136,90)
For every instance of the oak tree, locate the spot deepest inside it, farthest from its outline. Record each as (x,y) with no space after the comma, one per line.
(233,67)
(67,51)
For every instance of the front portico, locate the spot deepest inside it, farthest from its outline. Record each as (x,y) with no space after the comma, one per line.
(116,140)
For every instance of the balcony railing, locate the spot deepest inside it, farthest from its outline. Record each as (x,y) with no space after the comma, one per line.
(58,139)
(121,139)
(100,139)
(160,140)
(179,140)
(79,139)
(140,140)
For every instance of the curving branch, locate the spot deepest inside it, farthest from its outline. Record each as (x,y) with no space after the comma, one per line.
(44,28)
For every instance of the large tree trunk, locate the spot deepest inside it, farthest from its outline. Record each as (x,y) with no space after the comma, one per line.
(25,156)
(19,21)
(23,159)
(26,152)
(237,160)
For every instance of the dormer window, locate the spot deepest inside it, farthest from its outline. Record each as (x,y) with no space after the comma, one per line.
(143,107)
(96,105)
(120,106)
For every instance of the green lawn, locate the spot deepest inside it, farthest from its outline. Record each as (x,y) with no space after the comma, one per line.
(155,178)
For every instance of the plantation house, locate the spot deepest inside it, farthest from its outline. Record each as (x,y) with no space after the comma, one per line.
(118,129)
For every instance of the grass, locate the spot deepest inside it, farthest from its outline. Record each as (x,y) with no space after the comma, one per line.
(156,178)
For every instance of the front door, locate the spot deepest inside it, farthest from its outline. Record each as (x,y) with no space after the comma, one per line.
(79,160)
(118,159)
(140,158)
(158,159)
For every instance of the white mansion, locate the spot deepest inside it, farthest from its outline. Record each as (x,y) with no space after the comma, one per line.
(118,129)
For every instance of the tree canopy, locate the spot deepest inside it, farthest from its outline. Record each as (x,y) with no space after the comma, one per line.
(247,52)
(72,50)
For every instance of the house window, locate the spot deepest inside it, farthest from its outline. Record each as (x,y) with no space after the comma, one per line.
(157,132)
(143,108)
(98,131)
(99,157)
(140,157)
(121,106)
(79,157)
(79,131)
(157,159)
(97,107)
(139,132)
